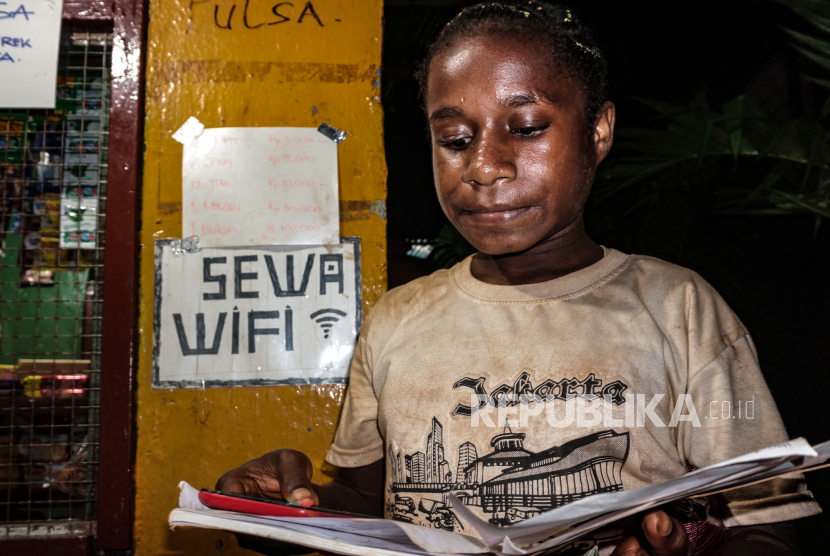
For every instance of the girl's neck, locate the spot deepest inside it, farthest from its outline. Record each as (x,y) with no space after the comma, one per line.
(557,256)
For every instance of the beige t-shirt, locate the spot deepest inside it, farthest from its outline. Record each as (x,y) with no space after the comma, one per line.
(518,399)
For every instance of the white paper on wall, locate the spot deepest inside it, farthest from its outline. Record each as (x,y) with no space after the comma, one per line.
(238,316)
(260,186)
(29,37)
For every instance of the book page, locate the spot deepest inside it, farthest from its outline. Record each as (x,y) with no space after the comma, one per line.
(565,524)
(378,533)
(738,470)
(359,537)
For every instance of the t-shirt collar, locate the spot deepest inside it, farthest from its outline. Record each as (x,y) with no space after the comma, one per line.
(559,287)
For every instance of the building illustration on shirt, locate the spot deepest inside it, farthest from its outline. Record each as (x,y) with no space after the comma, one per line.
(509,483)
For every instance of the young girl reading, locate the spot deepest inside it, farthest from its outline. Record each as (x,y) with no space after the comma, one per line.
(545,368)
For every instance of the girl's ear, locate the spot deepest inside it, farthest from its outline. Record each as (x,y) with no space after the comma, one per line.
(604,130)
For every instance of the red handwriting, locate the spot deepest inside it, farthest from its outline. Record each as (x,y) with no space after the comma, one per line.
(210,185)
(218,230)
(274,207)
(212,162)
(276,183)
(225,140)
(302,208)
(282,141)
(289,158)
(217,206)
(295,228)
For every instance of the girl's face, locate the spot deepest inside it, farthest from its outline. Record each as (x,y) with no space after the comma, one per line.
(513,162)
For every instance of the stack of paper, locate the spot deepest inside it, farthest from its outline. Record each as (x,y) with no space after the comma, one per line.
(555,528)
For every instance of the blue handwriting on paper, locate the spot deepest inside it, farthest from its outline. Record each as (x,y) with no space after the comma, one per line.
(21,10)
(15,42)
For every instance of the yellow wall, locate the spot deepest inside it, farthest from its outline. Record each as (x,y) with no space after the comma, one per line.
(287,74)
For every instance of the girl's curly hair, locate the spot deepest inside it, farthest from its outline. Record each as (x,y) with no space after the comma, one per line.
(569,42)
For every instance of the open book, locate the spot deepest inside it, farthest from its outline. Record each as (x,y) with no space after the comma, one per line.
(552,529)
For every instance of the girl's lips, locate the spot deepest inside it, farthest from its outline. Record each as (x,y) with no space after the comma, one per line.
(496,217)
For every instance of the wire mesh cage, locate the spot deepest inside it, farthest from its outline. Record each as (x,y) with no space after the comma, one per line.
(52,212)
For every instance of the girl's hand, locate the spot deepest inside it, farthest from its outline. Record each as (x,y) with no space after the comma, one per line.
(663,535)
(282,474)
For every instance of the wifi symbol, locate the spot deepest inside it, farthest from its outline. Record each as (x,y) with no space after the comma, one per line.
(326,322)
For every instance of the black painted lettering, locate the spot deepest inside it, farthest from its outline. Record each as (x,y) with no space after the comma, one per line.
(331,270)
(239,276)
(235,332)
(289,273)
(309,9)
(208,277)
(200,335)
(216,17)
(289,329)
(190,13)
(245,17)
(276,12)
(253,331)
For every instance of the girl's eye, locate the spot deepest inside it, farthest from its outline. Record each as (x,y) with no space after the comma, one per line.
(456,144)
(529,131)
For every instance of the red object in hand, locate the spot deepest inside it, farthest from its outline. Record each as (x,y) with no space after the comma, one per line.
(267,507)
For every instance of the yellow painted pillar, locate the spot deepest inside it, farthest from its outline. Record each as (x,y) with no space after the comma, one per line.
(240,63)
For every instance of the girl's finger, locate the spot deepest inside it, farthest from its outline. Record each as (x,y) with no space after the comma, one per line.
(665,535)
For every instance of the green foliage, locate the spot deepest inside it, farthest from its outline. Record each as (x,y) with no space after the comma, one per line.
(744,160)
(788,160)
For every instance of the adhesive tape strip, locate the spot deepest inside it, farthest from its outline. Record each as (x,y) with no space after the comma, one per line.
(191,129)
(185,245)
(332,133)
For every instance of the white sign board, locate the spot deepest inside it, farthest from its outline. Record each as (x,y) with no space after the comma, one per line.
(29,36)
(266,315)
(260,186)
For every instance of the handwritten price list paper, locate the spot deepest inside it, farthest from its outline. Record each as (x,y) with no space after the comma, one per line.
(29,36)
(260,186)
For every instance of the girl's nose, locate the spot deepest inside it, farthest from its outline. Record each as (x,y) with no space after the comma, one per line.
(489,161)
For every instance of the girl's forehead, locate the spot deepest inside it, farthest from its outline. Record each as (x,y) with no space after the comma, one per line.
(498,68)
(472,52)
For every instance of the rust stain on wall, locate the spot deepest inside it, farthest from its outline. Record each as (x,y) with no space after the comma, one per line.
(355,210)
(169,208)
(346,206)
(223,71)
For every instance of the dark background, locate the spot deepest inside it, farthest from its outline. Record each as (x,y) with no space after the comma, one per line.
(772,270)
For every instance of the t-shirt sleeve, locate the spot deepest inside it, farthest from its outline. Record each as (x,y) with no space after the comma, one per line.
(737,415)
(357,441)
